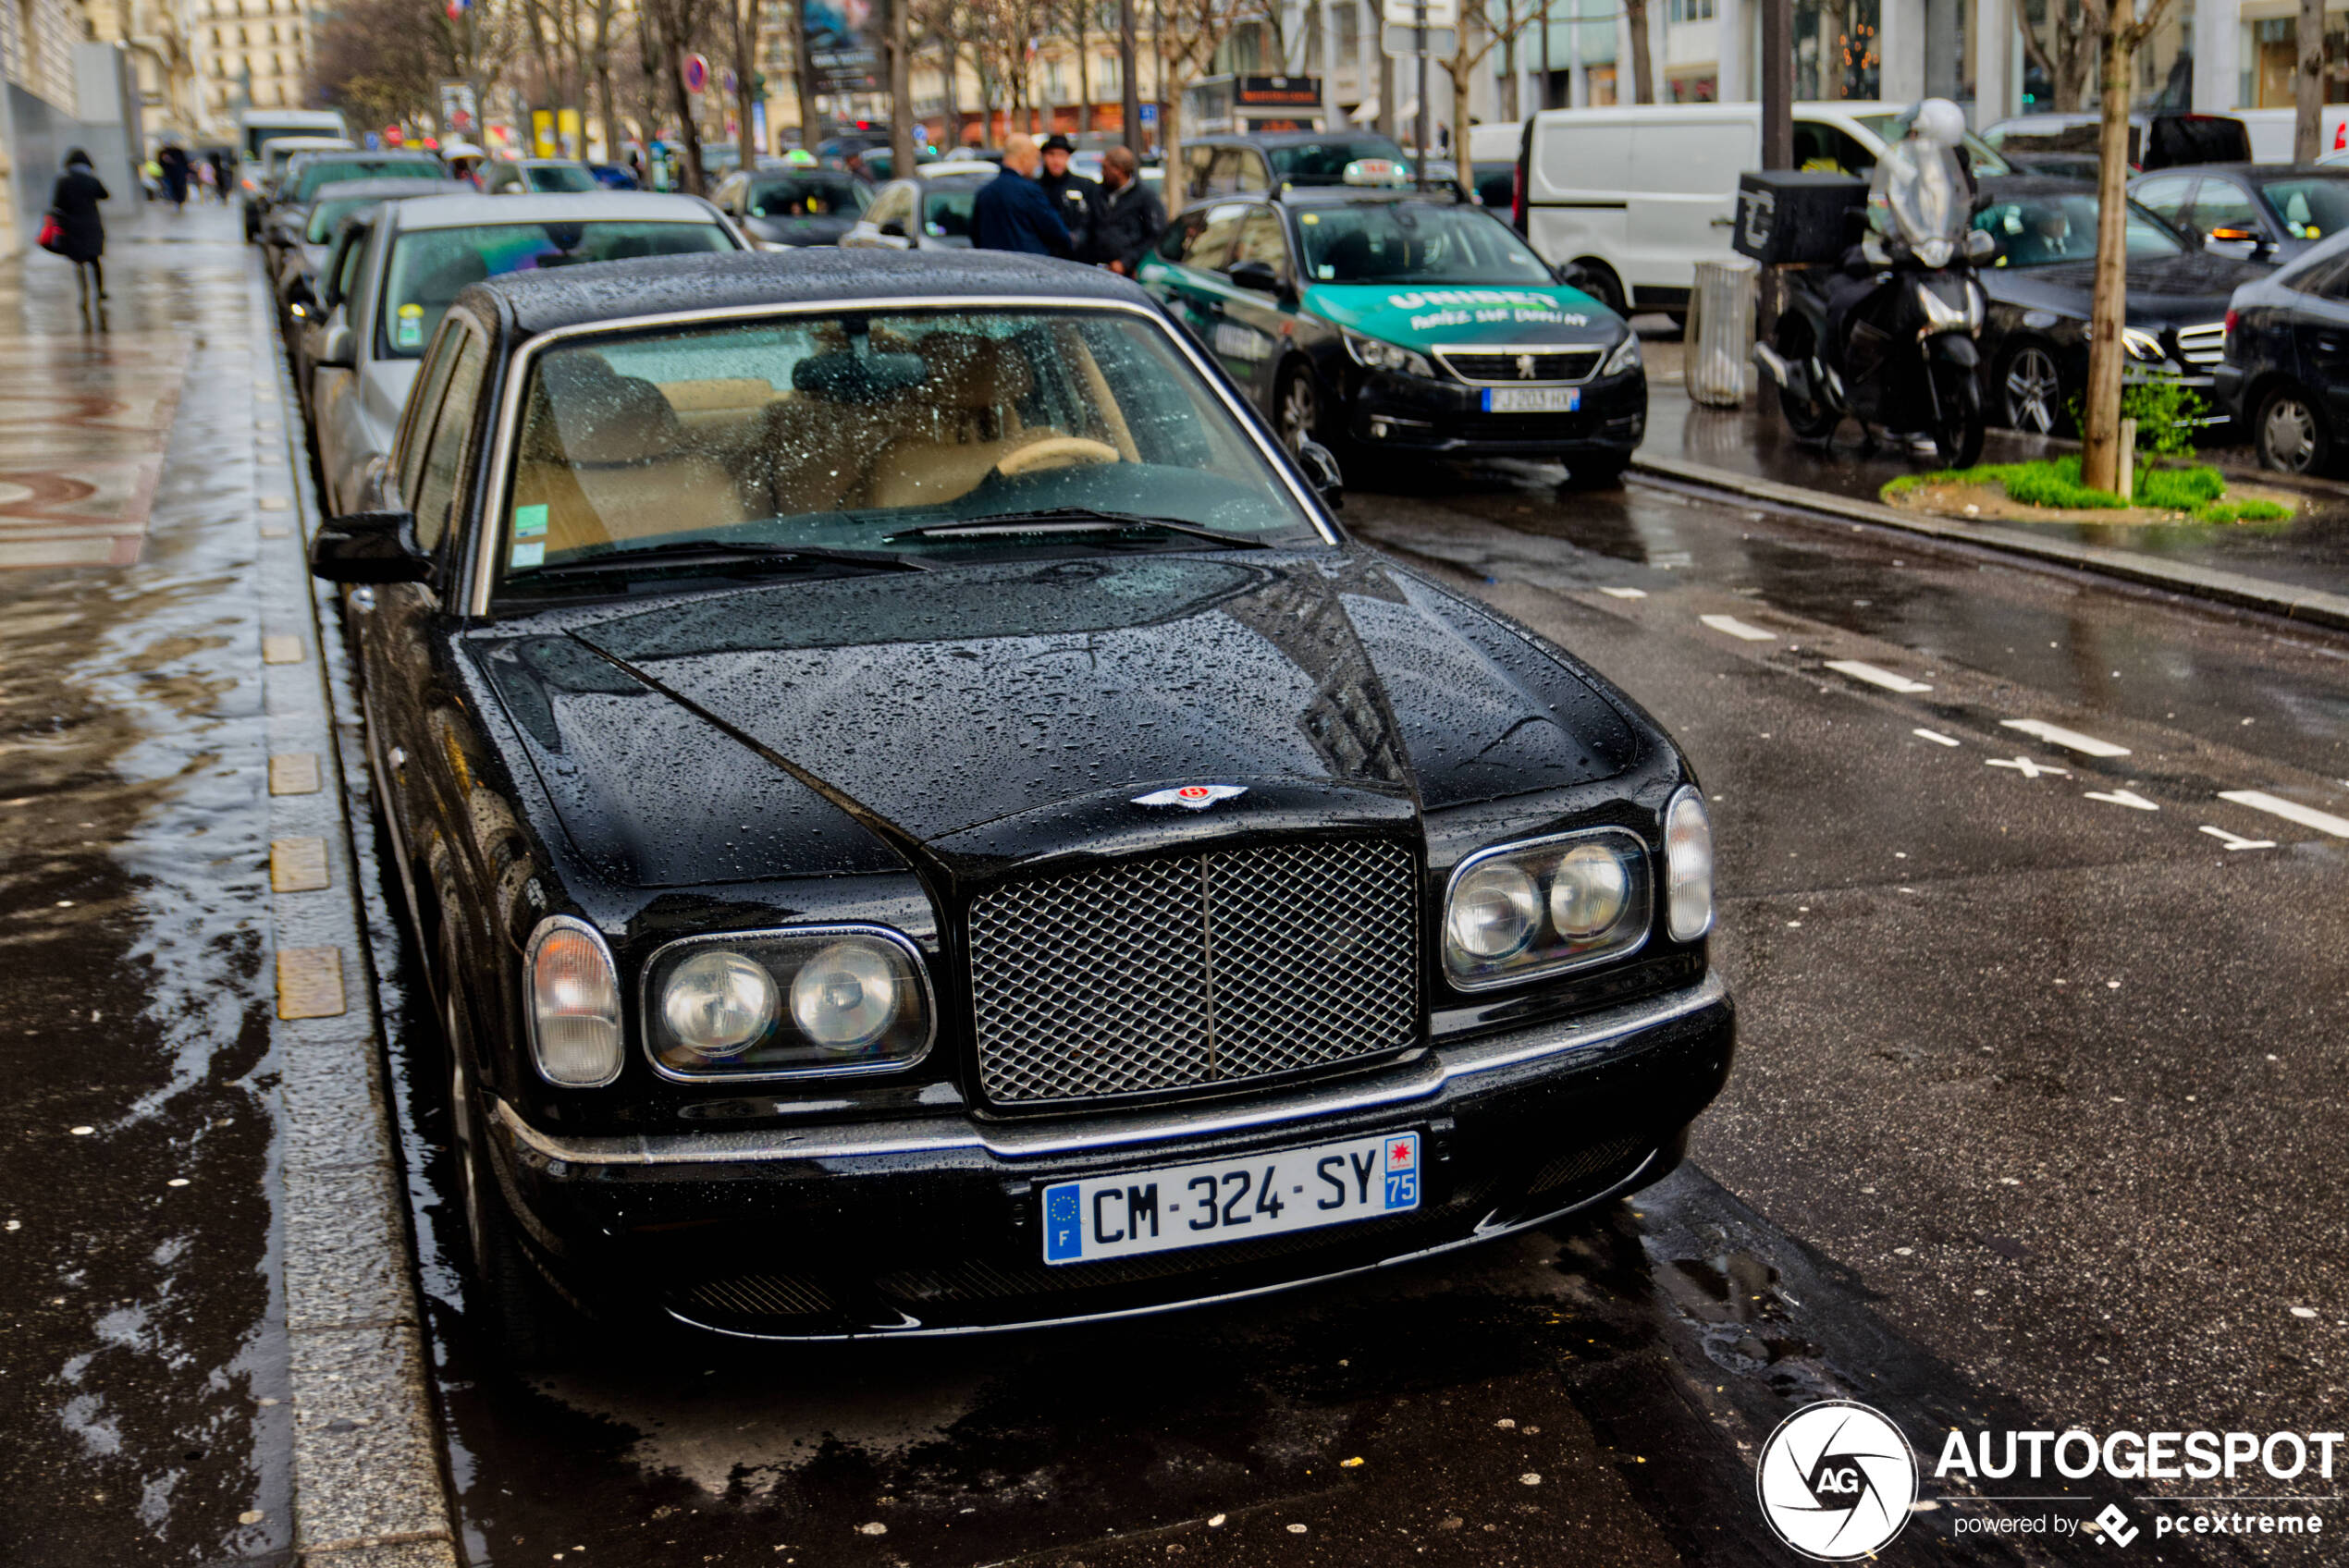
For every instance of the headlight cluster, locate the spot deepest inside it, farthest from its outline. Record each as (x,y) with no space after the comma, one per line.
(1626,356)
(1524,910)
(786,1003)
(1378,354)
(1688,867)
(2143,345)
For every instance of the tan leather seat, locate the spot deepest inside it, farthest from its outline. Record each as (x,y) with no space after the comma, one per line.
(604,455)
(976,385)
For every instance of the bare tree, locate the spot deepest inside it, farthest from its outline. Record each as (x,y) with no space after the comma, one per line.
(1635,19)
(1189,34)
(1480,23)
(2121,33)
(2308,85)
(677,26)
(2062,43)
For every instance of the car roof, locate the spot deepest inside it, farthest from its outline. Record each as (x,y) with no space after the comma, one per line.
(415,190)
(2009,185)
(1281,138)
(549,163)
(1350,195)
(582,206)
(928,175)
(2260,171)
(543,301)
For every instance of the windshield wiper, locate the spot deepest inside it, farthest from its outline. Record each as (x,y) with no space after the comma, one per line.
(720,552)
(1072,519)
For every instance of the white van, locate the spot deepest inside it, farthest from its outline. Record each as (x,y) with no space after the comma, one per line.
(2272,132)
(1637,196)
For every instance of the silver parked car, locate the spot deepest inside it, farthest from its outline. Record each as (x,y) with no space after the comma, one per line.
(386,290)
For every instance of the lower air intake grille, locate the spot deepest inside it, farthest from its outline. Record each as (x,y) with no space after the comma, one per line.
(1172,973)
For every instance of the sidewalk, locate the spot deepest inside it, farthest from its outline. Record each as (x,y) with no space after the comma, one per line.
(212,1347)
(2300,568)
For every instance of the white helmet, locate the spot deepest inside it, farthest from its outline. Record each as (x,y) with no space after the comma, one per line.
(1938,120)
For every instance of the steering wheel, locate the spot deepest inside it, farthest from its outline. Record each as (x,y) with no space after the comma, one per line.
(1055,451)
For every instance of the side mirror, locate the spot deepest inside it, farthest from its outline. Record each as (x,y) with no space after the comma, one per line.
(1321,472)
(369,547)
(336,350)
(1258,275)
(1980,245)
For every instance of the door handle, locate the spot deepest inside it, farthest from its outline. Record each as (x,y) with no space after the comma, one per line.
(1724,223)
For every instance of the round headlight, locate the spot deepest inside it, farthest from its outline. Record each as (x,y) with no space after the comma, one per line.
(717,1002)
(1587,891)
(844,997)
(1495,912)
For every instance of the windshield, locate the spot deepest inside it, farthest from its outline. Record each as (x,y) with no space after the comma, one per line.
(946,215)
(2039,231)
(432,267)
(1916,193)
(843,432)
(328,216)
(259,136)
(1414,242)
(1980,155)
(2310,208)
(332,171)
(807,196)
(1323,162)
(561,178)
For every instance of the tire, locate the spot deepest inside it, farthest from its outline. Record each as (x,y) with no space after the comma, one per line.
(1813,420)
(1298,408)
(506,1301)
(1957,432)
(2029,391)
(1601,284)
(2290,433)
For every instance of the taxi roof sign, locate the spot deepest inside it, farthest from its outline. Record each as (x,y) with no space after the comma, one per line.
(1375,171)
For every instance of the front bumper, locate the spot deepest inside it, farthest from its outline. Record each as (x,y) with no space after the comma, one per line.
(1409,413)
(932,1225)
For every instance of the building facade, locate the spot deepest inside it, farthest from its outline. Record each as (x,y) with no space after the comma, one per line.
(252,54)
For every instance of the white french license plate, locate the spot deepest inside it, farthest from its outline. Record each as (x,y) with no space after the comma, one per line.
(1230,1200)
(1533,399)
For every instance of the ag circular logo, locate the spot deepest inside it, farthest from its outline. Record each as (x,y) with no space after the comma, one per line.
(1836,1480)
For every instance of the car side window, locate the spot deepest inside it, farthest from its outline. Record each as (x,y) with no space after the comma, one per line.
(1260,240)
(1821,148)
(2222,204)
(424,404)
(1197,160)
(2168,198)
(1238,168)
(346,274)
(436,488)
(1210,246)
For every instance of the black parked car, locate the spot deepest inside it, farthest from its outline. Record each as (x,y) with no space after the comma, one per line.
(918,819)
(2254,212)
(2067,145)
(785,208)
(2034,344)
(2286,374)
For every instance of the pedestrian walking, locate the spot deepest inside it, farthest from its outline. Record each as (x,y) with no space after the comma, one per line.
(1129,218)
(173,162)
(217,161)
(1012,213)
(75,203)
(1074,197)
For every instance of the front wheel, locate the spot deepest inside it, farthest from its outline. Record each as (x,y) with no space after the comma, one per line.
(2291,434)
(1297,408)
(1957,421)
(2031,390)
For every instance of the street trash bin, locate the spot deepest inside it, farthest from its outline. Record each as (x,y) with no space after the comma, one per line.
(1720,330)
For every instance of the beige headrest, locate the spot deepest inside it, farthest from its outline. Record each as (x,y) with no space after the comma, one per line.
(587,414)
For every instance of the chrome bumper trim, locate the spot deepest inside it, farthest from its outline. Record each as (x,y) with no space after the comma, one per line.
(1418,1080)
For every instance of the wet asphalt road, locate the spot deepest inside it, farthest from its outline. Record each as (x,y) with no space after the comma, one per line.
(2036,1123)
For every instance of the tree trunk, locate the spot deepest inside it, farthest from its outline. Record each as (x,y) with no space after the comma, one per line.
(2100,444)
(2308,86)
(1084,71)
(901,89)
(804,66)
(1635,17)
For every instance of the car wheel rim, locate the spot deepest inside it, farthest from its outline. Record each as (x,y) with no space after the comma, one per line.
(461,1119)
(2291,434)
(1296,412)
(2033,392)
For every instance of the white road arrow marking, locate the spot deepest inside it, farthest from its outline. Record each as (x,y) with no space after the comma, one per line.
(1625,593)
(2069,740)
(2129,798)
(1729,625)
(2290,811)
(2028,768)
(2234,842)
(1876,677)
(1937,740)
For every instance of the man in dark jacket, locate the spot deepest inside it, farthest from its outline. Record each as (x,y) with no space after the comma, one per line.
(1077,199)
(1012,213)
(1128,218)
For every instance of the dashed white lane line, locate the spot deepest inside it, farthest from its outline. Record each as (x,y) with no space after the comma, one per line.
(1937,738)
(2290,811)
(2236,842)
(1876,677)
(2069,740)
(2129,798)
(1625,593)
(1730,626)
(2028,768)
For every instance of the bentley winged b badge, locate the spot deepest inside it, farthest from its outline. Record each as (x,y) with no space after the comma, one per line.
(1191,797)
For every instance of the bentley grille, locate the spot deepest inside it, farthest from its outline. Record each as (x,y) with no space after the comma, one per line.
(1172,973)
(2202,345)
(1511,368)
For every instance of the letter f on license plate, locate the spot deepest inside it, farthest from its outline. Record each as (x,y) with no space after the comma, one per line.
(1230,1200)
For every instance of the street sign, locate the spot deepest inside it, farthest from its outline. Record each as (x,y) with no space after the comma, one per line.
(1404,14)
(1150,114)
(1401,43)
(696,73)
(458,116)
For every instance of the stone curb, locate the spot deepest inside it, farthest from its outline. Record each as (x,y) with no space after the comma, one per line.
(2310,605)
(368,1491)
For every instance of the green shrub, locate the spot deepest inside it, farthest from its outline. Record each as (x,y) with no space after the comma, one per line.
(2055,483)
(2167,415)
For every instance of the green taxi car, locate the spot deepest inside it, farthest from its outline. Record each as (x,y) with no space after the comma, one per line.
(1403,322)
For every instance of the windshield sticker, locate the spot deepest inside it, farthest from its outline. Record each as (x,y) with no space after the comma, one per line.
(530,522)
(530,555)
(409,333)
(1310,219)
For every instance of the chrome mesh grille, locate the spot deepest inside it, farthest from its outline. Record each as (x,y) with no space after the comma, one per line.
(1171,974)
(2203,345)
(1505,369)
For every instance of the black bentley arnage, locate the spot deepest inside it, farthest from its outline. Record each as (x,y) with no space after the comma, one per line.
(919,820)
